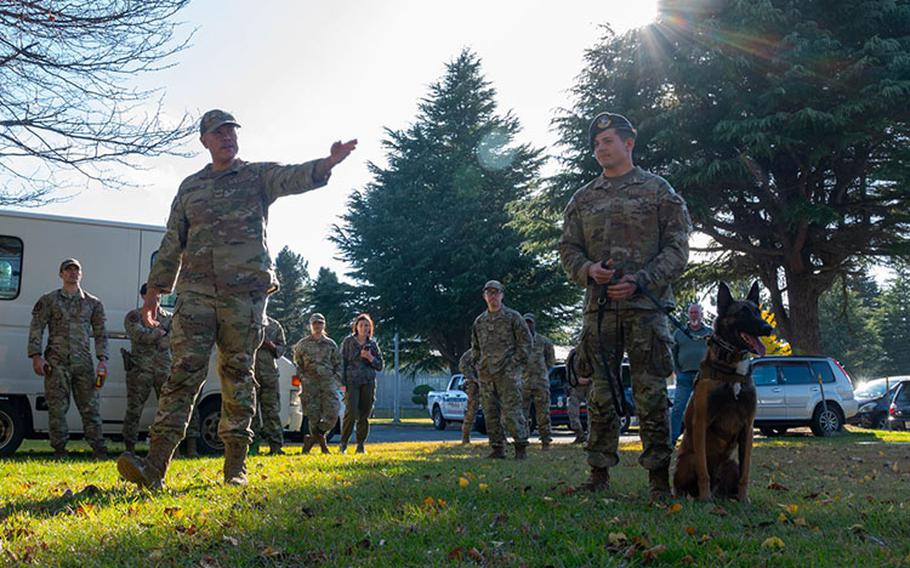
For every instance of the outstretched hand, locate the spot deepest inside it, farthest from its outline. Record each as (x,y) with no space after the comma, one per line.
(340,151)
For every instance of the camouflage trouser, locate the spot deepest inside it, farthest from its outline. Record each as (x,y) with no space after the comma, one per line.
(647,341)
(235,323)
(267,422)
(472,389)
(139,384)
(577,395)
(500,396)
(537,389)
(80,380)
(358,406)
(320,405)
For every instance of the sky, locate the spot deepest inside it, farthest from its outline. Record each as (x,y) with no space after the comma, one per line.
(300,75)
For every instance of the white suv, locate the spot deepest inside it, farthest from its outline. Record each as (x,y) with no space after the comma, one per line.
(790,391)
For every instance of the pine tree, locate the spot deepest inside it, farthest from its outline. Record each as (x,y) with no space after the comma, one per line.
(291,304)
(433,225)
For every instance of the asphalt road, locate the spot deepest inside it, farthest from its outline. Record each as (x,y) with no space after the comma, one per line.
(426,433)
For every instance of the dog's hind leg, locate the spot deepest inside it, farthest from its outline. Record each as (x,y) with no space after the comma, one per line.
(725,481)
(684,480)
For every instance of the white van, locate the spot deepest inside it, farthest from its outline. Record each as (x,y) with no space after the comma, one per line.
(116,259)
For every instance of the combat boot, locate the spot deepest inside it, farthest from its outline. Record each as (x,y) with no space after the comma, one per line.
(148,472)
(323,444)
(545,444)
(235,463)
(275,449)
(61,453)
(254,448)
(580,437)
(659,484)
(521,451)
(191,450)
(599,480)
(360,449)
(130,447)
(465,439)
(342,447)
(498,453)
(99,453)
(308,441)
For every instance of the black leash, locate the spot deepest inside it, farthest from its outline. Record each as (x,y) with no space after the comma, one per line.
(614,377)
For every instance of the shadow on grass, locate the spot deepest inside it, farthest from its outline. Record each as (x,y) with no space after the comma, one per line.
(406,504)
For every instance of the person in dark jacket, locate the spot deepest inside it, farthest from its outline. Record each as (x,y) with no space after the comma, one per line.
(361,359)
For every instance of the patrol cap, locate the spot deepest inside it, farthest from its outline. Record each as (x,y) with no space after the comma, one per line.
(69,262)
(495,284)
(529,317)
(317,317)
(606,121)
(213,119)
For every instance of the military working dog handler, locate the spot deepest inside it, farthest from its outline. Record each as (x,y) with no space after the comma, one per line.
(627,230)
(215,239)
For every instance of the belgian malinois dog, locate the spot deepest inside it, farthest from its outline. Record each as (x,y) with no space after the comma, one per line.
(721,411)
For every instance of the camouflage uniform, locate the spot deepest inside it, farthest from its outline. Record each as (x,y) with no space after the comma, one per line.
(71,321)
(472,389)
(150,363)
(500,344)
(536,385)
(640,222)
(268,424)
(215,239)
(576,395)
(319,364)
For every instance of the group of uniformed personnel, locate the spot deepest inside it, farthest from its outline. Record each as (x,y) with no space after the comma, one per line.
(624,240)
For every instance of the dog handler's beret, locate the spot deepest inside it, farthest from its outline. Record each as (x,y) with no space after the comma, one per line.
(606,121)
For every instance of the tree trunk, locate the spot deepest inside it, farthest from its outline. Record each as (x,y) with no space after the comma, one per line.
(802,327)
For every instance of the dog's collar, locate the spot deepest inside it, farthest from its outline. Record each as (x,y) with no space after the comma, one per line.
(726,351)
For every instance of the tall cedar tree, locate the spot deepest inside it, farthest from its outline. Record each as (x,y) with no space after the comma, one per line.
(336,301)
(783,123)
(431,227)
(292,303)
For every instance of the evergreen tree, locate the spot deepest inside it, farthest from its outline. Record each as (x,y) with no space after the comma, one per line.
(783,123)
(848,327)
(334,300)
(291,304)
(894,325)
(433,225)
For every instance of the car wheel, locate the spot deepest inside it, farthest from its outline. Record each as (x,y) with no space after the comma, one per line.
(438,421)
(827,421)
(880,422)
(209,416)
(12,428)
(625,422)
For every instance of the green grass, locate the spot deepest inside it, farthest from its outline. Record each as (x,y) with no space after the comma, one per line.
(815,502)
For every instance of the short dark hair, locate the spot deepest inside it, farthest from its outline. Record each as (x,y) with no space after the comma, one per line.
(365,317)
(143,289)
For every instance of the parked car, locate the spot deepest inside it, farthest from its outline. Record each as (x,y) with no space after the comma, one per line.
(874,399)
(790,394)
(448,405)
(899,411)
(558,396)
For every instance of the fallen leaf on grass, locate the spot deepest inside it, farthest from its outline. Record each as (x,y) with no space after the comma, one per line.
(270,552)
(463,482)
(690,531)
(653,552)
(687,560)
(174,512)
(773,543)
(209,562)
(775,486)
(84,509)
(674,508)
(230,540)
(719,511)
(617,538)
(475,555)
(483,486)
(456,553)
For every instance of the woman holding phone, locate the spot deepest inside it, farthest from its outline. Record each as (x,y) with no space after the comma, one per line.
(361,360)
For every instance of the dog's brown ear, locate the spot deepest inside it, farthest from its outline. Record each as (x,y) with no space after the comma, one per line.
(723,299)
(753,293)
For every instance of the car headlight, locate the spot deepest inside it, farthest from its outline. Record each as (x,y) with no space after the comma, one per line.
(868,407)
